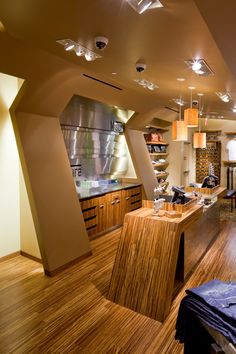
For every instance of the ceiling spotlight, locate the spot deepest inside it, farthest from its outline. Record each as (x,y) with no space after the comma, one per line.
(199,66)
(234,109)
(79,50)
(196,66)
(225,97)
(69,46)
(142,5)
(146,84)
(179,101)
(89,56)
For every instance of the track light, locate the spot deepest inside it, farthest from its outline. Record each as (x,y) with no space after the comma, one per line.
(225,97)
(79,50)
(142,5)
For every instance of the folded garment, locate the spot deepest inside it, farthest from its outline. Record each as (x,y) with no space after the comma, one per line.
(220,296)
(213,303)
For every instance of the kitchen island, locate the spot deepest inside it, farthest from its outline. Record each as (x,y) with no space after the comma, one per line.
(156,255)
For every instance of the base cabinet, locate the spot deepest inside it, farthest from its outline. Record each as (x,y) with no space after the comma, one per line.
(104,213)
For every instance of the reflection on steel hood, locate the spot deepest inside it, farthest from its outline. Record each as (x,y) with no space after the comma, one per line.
(87,113)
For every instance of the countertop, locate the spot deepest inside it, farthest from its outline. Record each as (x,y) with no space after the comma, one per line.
(99,191)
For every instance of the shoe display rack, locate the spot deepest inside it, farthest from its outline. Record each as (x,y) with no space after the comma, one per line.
(158,151)
(211,154)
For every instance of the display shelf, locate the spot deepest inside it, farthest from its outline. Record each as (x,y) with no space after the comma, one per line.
(156,143)
(230,133)
(162,164)
(211,154)
(162,175)
(159,153)
(160,129)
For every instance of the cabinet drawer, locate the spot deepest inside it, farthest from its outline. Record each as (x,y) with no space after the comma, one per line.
(131,192)
(114,196)
(89,203)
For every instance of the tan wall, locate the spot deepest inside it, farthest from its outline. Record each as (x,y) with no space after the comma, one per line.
(9,171)
(57,214)
(28,237)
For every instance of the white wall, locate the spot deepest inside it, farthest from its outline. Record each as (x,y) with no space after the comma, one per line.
(9,171)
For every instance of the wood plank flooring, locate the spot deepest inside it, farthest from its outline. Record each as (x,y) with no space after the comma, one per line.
(70,314)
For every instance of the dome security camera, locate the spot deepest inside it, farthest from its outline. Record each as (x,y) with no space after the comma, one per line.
(140,67)
(101,42)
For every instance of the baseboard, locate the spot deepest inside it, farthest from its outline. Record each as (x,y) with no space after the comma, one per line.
(52,273)
(36,259)
(9,256)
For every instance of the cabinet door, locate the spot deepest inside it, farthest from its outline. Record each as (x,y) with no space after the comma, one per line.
(114,216)
(131,199)
(103,215)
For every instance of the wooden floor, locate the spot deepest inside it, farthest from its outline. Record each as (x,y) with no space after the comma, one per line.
(70,314)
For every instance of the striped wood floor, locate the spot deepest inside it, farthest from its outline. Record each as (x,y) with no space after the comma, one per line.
(70,314)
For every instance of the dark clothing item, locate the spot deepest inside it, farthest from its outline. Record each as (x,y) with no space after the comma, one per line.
(220,296)
(215,304)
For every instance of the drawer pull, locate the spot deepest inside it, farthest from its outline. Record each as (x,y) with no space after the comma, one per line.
(112,203)
(101,206)
(127,198)
(118,201)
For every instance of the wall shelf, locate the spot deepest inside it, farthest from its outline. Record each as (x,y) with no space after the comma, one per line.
(156,143)
(159,153)
(162,164)
(162,175)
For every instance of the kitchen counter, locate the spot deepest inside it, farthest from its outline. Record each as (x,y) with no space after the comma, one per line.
(102,190)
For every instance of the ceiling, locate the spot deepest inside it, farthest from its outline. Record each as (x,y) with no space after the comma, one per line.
(161,38)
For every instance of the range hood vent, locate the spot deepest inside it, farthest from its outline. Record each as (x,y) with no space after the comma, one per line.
(103,82)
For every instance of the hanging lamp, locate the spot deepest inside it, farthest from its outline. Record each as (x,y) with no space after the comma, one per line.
(179,128)
(199,138)
(191,114)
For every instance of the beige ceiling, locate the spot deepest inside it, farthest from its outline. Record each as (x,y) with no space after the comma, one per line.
(162,38)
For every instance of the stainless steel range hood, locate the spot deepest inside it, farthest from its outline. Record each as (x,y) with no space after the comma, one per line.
(95,151)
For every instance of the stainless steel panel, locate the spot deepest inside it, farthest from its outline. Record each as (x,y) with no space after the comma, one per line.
(87,113)
(98,152)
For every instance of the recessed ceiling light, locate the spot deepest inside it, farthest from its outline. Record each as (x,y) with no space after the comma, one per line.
(199,66)
(196,66)
(225,97)
(234,109)
(179,101)
(146,84)
(180,79)
(142,5)
(114,73)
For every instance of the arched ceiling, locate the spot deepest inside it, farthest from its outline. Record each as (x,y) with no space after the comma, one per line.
(162,38)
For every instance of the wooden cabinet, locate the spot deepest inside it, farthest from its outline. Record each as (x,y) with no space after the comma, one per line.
(131,199)
(104,213)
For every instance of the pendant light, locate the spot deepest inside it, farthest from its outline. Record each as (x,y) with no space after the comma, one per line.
(199,139)
(179,128)
(191,114)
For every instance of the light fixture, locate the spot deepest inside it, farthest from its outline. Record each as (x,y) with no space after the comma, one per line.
(89,56)
(199,138)
(146,84)
(199,67)
(69,46)
(225,97)
(196,66)
(179,101)
(179,127)
(79,50)
(142,5)
(234,109)
(191,114)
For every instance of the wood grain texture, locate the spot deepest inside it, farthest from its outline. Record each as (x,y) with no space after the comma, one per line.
(148,257)
(70,314)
